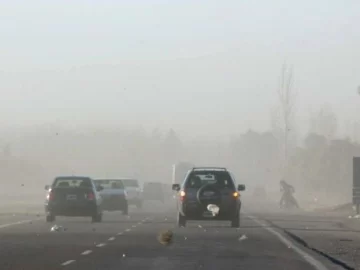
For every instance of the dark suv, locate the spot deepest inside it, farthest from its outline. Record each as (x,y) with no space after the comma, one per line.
(204,186)
(74,196)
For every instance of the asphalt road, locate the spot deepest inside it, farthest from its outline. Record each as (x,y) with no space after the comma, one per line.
(121,242)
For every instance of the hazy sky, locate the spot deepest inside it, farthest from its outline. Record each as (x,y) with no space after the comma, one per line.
(185,64)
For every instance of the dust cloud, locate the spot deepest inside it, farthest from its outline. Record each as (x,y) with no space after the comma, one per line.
(319,165)
(127,90)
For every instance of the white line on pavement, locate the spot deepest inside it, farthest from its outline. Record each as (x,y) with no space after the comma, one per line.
(17,223)
(307,257)
(101,245)
(127,230)
(120,233)
(86,252)
(67,262)
(111,239)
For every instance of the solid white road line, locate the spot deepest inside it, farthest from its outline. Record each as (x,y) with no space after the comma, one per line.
(101,245)
(127,230)
(120,233)
(17,223)
(111,239)
(68,262)
(86,252)
(307,257)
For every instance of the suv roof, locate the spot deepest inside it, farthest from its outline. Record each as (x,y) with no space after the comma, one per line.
(209,169)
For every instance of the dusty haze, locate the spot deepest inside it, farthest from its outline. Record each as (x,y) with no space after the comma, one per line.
(95,88)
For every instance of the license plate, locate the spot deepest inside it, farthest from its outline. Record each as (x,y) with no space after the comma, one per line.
(208,214)
(71,197)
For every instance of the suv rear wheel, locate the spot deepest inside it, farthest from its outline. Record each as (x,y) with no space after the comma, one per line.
(181,220)
(235,222)
(125,210)
(50,218)
(139,205)
(97,217)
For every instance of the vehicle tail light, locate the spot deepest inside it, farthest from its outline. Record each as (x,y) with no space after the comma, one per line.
(182,195)
(90,196)
(50,196)
(236,194)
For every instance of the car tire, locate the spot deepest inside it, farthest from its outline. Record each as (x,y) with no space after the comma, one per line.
(139,205)
(181,220)
(50,218)
(235,222)
(97,218)
(125,210)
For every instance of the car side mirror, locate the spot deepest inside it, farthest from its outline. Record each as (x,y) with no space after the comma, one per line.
(47,187)
(241,187)
(99,188)
(176,187)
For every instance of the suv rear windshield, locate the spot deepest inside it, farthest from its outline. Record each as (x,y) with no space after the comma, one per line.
(197,179)
(72,183)
(130,183)
(110,184)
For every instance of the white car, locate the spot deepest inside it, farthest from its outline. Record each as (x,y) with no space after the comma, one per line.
(134,192)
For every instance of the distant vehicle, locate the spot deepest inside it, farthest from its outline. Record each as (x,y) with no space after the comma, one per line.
(134,192)
(74,196)
(179,171)
(153,191)
(113,194)
(204,190)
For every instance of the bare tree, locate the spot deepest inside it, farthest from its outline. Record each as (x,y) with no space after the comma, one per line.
(287,98)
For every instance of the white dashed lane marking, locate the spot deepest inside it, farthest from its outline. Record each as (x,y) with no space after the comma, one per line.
(86,252)
(67,262)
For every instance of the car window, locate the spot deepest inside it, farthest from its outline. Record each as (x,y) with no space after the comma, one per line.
(199,179)
(110,184)
(72,183)
(130,183)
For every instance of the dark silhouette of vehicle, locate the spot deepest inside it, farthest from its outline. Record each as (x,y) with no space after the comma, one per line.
(73,196)
(204,186)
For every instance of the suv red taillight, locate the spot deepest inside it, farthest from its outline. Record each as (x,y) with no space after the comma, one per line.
(90,196)
(182,195)
(50,196)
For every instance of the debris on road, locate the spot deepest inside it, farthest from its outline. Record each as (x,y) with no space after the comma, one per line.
(56,228)
(165,237)
(243,237)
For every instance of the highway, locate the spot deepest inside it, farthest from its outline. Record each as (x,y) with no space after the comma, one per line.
(264,241)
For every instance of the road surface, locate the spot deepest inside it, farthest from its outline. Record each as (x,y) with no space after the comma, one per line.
(120,242)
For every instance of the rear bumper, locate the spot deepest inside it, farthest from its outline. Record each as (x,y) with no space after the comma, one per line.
(119,204)
(71,210)
(134,201)
(154,198)
(196,211)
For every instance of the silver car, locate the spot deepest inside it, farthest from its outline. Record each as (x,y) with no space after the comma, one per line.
(134,192)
